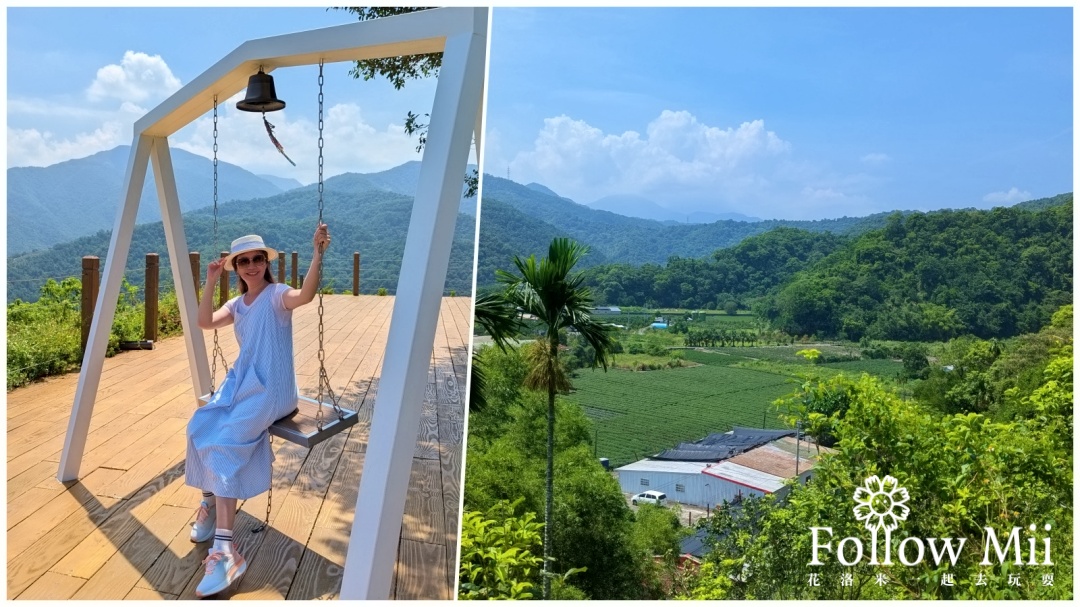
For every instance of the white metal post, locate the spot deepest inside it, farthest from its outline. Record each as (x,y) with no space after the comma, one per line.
(380,505)
(105,309)
(171,219)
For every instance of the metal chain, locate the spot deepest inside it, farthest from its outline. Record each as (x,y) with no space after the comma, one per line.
(324,379)
(211,288)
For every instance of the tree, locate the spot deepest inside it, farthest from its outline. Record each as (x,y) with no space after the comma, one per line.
(548,290)
(400,69)
(501,321)
(961,474)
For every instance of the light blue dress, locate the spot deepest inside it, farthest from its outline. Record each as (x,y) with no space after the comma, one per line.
(228,449)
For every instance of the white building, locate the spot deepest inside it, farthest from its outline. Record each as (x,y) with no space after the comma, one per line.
(763,467)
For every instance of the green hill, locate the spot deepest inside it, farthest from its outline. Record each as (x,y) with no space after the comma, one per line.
(635,241)
(57,203)
(374,223)
(932,276)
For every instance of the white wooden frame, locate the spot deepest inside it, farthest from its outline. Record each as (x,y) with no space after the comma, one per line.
(461,35)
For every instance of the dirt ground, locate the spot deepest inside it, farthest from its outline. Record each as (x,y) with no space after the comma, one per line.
(688,516)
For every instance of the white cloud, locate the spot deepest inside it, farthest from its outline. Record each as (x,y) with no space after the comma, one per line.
(825,193)
(1013,196)
(30,147)
(139,77)
(349,143)
(70,129)
(676,151)
(875,158)
(686,165)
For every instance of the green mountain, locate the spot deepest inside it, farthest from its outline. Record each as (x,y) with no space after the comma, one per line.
(933,276)
(506,232)
(61,202)
(373,222)
(57,203)
(615,238)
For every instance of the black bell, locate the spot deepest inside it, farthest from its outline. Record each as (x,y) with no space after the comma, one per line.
(261,96)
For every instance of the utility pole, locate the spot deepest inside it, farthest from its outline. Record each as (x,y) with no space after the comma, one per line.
(798,427)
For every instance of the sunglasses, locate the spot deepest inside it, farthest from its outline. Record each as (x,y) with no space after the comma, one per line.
(242,262)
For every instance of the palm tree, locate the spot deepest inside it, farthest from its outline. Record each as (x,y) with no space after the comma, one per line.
(502,322)
(547,290)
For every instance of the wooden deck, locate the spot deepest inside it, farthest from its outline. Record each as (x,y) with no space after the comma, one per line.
(121,530)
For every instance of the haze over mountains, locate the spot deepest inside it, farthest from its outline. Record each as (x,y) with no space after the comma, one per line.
(65,211)
(645,208)
(369,213)
(61,202)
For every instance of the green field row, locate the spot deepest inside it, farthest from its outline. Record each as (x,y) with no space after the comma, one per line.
(885,369)
(638,414)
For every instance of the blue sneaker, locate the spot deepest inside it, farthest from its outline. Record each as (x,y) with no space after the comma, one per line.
(222,569)
(203,528)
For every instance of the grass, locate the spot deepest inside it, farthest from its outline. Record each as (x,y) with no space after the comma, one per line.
(638,414)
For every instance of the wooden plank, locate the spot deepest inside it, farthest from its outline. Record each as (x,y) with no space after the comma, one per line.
(424,516)
(177,564)
(38,558)
(29,479)
(427,437)
(139,593)
(30,502)
(137,447)
(28,436)
(321,567)
(23,536)
(167,454)
(271,571)
(98,547)
(119,575)
(314,491)
(52,586)
(340,506)
(421,572)
(49,450)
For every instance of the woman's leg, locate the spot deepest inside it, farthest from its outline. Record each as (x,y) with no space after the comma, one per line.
(226,512)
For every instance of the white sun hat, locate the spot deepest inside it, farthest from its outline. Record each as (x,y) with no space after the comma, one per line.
(251,242)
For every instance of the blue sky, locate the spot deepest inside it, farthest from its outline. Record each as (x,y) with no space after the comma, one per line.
(784,113)
(78,79)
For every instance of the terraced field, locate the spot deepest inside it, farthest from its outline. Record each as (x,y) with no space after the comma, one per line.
(638,414)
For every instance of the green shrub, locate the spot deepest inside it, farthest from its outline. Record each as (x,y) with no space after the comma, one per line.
(500,554)
(44,337)
(381,292)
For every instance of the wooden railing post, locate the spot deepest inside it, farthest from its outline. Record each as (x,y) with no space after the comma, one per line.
(193,257)
(356,273)
(223,287)
(91,280)
(281,267)
(150,303)
(294,281)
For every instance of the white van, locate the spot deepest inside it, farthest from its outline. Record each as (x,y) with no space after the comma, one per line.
(649,497)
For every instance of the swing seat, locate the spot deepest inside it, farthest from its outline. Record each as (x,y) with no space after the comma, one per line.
(301,426)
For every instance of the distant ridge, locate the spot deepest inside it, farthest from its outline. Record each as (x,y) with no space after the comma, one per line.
(632,205)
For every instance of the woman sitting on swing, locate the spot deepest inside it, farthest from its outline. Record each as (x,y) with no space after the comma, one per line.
(228,452)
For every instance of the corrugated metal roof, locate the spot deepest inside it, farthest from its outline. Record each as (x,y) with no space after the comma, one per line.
(652,465)
(720,446)
(773,460)
(747,477)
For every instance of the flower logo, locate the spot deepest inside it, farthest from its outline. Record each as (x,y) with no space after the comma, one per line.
(880,503)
